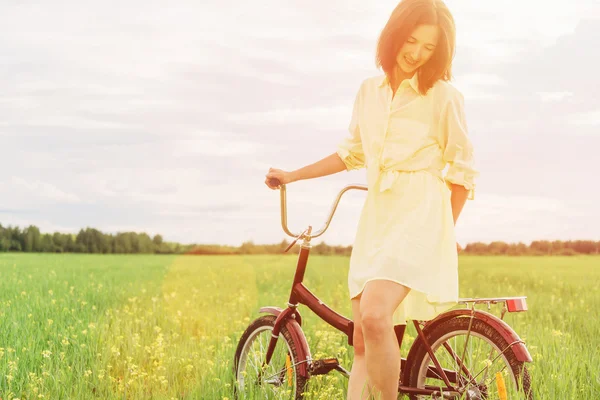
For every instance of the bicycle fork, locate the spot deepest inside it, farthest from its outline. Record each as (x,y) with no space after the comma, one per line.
(279,322)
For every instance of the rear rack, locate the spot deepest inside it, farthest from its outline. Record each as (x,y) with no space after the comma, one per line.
(512,304)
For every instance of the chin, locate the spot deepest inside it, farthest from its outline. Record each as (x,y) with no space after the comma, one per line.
(407,68)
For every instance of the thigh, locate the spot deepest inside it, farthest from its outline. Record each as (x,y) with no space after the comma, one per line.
(381,298)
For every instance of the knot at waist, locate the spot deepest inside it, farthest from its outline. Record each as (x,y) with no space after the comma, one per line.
(388,175)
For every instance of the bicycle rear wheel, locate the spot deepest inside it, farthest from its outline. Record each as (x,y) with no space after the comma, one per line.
(478,360)
(279,379)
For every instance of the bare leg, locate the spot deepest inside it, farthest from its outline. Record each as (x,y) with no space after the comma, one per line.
(358,387)
(382,354)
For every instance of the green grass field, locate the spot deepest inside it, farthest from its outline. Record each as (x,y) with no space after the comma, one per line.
(166,327)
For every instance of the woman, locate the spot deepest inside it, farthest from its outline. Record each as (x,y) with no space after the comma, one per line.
(407,125)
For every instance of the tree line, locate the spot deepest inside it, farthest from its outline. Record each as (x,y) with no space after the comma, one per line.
(90,240)
(535,248)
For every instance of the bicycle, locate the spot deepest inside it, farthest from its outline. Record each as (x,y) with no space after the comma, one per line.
(463,353)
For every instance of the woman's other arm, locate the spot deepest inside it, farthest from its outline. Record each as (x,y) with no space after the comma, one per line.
(329,165)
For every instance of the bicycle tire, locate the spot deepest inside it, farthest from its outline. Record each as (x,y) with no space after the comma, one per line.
(438,335)
(258,326)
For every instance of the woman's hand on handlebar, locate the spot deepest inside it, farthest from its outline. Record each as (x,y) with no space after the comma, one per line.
(276,177)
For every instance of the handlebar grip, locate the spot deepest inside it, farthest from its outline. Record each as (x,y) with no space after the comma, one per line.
(274,182)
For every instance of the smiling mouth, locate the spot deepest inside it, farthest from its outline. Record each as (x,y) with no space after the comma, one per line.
(409,62)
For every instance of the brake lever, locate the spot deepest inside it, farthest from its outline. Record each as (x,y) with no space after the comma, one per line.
(297,238)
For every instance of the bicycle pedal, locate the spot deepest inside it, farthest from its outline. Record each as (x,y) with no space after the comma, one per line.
(324,366)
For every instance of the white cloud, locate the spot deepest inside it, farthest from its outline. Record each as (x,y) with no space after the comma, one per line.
(333,117)
(586,118)
(555,96)
(494,28)
(58,121)
(515,218)
(41,222)
(476,93)
(45,190)
(481,79)
(214,147)
(166,119)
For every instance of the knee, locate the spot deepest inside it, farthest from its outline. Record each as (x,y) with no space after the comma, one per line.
(375,324)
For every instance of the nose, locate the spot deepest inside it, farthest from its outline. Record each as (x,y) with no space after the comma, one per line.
(416,53)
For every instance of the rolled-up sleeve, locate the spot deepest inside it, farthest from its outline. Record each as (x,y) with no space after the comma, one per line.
(457,147)
(350,149)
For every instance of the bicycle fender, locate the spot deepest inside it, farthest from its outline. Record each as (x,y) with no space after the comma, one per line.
(277,310)
(293,326)
(519,348)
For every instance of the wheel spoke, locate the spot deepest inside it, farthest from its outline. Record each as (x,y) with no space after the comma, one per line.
(459,365)
(276,380)
(476,349)
(488,365)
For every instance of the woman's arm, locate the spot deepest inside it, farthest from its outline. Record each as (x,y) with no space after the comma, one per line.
(329,165)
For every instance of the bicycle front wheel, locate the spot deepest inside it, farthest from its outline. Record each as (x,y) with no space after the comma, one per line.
(476,359)
(277,380)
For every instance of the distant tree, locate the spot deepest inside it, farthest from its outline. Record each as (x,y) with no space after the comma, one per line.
(541,247)
(517,249)
(323,249)
(283,245)
(46,244)
(144,243)
(122,243)
(4,244)
(566,251)
(60,241)
(31,239)
(497,248)
(585,247)
(557,246)
(476,248)
(15,246)
(90,240)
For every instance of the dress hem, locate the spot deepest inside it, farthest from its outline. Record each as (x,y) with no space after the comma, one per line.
(444,304)
(352,297)
(391,280)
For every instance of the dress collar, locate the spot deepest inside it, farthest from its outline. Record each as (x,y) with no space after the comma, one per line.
(412,82)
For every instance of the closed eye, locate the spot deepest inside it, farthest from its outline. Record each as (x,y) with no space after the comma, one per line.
(413,40)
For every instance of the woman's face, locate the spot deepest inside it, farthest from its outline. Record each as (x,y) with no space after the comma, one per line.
(418,48)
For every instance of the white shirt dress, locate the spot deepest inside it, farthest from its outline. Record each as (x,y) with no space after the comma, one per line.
(406,229)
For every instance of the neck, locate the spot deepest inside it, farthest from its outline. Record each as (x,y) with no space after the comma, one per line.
(398,75)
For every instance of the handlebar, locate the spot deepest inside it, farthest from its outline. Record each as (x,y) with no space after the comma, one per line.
(282,189)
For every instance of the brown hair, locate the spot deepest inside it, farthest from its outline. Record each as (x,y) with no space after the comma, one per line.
(407,15)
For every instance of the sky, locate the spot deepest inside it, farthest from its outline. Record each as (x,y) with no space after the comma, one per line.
(164,117)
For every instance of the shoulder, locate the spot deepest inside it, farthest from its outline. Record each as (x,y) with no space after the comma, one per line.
(372,81)
(368,86)
(444,92)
